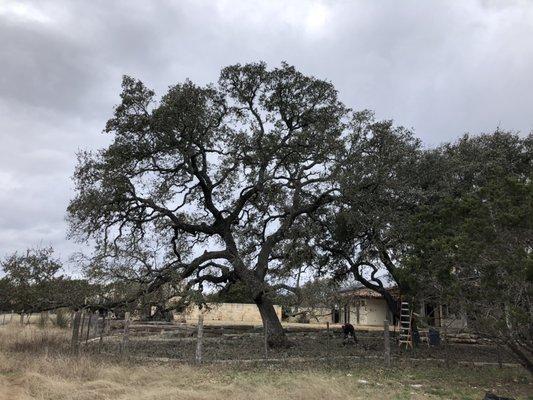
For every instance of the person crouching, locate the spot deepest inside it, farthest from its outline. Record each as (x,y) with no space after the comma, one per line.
(348,333)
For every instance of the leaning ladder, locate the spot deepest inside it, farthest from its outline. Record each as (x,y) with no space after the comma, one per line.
(406,337)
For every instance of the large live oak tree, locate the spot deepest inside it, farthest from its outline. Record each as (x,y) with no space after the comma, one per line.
(224,173)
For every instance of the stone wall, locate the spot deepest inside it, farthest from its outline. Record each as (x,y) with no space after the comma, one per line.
(227,312)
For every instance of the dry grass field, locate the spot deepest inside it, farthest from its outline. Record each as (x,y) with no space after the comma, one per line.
(35,364)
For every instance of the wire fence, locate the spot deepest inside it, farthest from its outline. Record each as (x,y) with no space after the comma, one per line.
(93,332)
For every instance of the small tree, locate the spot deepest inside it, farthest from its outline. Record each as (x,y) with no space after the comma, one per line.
(32,283)
(30,276)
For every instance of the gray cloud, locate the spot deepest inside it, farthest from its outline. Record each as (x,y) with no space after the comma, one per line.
(442,68)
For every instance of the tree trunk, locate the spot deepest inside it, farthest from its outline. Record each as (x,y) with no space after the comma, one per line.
(275,334)
(298,277)
(521,355)
(276,337)
(392,303)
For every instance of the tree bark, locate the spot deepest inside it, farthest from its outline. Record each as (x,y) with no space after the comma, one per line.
(391,302)
(275,334)
(255,282)
(522,356)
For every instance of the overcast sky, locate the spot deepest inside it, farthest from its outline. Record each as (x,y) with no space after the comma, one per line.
(441,68)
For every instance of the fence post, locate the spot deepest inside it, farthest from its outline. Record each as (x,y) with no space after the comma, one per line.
(43,318)
(499,355)
(82,324)
(200,338)
(4,319)
(88,328)
(327,340)
(386,339)
(445,346)
(74,345)
(265,336)
(126,336)
(102,331)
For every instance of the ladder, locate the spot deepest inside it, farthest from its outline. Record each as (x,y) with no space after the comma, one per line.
(406,337)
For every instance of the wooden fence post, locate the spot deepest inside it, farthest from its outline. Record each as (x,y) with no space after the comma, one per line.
(126,335)
(327,340)
(499,355)
(43,318)
(4,319)
(74,345)
(88,328)
(200,338)
(386,353)
(102,331)
(265,335)
(82,324)
(445,346)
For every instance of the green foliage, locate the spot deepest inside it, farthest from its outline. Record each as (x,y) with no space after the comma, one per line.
(382,182)
(472,244)
(232,293)
(249,181)
(32,283)
(29,279)
(6,293)
(321,293)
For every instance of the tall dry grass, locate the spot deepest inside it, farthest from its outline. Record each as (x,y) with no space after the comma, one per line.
(35,364)
(59,317)
(33,340)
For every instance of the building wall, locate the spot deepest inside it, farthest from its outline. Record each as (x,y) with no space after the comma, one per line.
(368,311)
(228,312)
(374,312)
